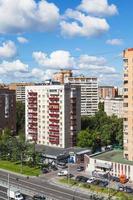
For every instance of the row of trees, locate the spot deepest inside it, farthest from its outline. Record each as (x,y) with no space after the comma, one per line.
(16,149)
(100,130)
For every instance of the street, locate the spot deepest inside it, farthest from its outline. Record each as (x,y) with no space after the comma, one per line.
(37,185)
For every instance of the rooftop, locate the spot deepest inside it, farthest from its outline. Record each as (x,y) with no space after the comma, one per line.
(54,151)
(113,156)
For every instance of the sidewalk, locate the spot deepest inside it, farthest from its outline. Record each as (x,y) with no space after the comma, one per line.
(78,189)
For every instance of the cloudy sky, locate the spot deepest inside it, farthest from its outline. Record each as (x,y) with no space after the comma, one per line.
(39,37)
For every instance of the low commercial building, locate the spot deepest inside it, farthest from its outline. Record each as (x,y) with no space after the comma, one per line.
(54,154)
(110,162)
(114,106)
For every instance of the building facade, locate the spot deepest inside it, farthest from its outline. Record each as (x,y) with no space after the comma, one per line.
(7,110)
(107,91)
(53,114)
(128,103)
(89,94)
(62,75)
(20,90)
(100,165)
(114,106)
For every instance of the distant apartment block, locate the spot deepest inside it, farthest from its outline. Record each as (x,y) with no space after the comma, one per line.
(107,91)
(89,93)
(62,75)
(114,106)
(20,90)
(7,110)
(128,104)
(53,114)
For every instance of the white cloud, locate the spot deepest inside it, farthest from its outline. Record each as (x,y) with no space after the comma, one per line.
(18,16)
(42,75)
(8,49)
(22,40)
(64,60)
(11,67)
(56,60)
(76,23)
(98,7)
(115,41)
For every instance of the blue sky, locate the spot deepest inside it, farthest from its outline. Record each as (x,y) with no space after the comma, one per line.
(37,38)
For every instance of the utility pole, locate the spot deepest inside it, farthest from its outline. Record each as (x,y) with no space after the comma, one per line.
(8,188)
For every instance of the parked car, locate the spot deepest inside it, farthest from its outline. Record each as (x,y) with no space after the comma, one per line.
(80,168)
(91,180)
(82,179)
(63,173)
(128,189)
(96,182)
(121,188)
(70,175)
(78,178)
(39,197)
(45,170)
(61,165)
(54,168)
(115,178)
(103,183)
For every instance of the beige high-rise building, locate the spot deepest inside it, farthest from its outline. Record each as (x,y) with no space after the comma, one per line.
(20,90)
(62,75)
(128,104)
(53,114)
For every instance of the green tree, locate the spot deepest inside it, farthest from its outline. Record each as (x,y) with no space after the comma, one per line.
(20,117)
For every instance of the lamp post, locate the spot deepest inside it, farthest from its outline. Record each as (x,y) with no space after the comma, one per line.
(8,186)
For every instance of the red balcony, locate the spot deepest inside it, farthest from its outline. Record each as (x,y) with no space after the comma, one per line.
(54,109)
(53,98)
(53,130)
(53,104)
(32,113)
(54,120)
(54,125)
(54,135)
(54,115)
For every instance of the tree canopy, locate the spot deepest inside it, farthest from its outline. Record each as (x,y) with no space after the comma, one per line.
(100,130)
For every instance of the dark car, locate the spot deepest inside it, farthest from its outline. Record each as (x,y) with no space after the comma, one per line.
(45,170)
(54,168)
(103,183)
(39,197)
(115,178)
(70,176)
(84,179)
(78,178)
(96,182)
(80,168)
(128,189)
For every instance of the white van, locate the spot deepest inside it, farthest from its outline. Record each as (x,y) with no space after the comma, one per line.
(63,173)
(15,194)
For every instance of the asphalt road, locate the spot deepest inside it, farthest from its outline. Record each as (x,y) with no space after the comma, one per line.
(37,185)
(3,194)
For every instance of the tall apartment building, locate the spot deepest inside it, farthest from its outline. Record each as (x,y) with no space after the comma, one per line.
(20,90)
(62,75)
(53,114)
(7,110)
(107,91)
(89,93)
(114,106)
(128,103)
